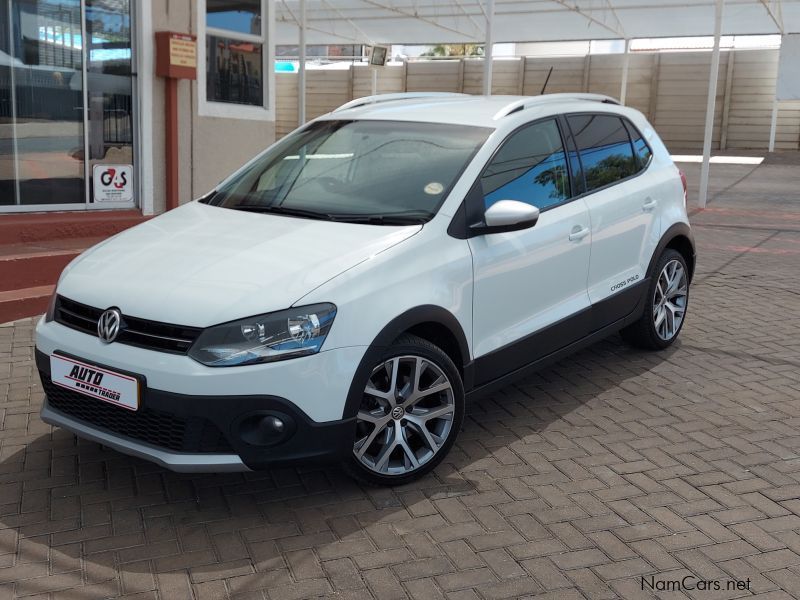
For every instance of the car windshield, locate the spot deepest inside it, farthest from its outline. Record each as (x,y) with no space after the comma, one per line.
(382,172)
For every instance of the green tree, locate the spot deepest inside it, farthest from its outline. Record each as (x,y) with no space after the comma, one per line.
(610,169)
(557,176)
(454,50)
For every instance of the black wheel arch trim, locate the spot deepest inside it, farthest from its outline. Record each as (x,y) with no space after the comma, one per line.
(418,315)
(675,231)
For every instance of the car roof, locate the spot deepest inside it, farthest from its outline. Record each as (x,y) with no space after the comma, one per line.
(463,109)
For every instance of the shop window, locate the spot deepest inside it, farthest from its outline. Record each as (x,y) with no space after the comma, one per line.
(66,102)
(235,70)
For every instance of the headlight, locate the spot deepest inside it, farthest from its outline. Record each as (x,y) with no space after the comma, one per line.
(265,338)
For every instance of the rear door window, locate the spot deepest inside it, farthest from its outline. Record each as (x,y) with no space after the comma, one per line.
(605,150)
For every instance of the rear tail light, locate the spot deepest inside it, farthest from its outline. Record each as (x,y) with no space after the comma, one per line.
(685,187)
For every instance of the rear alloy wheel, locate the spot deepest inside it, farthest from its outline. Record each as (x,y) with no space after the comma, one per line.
(410,413)
(668,299)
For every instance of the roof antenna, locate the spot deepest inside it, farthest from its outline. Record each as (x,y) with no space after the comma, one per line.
(550,72)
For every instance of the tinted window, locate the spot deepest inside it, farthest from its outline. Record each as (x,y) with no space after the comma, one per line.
(640,147)
(604,147)
(530,167)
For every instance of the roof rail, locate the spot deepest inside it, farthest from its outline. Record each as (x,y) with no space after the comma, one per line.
(522,104)
(391,97)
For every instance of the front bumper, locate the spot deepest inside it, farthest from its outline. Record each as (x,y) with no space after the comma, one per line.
(200,433)
(182,462)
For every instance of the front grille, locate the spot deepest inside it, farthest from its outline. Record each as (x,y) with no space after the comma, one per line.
(152,335)
(154,427)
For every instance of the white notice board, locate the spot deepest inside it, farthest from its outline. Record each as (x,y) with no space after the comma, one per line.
(113,183)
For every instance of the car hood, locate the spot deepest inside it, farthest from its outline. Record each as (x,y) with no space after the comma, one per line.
(200,265)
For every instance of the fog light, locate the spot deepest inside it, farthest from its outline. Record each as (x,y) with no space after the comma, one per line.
(273,423)
(265,428)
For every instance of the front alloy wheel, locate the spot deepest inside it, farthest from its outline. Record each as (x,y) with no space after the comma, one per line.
(410,413)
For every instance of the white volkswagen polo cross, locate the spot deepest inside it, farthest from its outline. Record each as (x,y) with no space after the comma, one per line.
(340,296)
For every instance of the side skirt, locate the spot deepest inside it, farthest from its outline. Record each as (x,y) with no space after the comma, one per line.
(634,297)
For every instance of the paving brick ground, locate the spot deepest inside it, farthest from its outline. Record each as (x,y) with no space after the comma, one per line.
(611,466)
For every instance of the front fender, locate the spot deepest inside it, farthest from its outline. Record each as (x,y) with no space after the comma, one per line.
(410,318)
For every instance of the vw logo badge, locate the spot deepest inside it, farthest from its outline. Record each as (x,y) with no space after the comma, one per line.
(108,325)
(398,412)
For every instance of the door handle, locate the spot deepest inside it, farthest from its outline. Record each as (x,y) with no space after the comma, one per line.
(649,204)
(578,233)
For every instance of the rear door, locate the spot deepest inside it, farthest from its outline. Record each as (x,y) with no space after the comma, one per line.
(622,209)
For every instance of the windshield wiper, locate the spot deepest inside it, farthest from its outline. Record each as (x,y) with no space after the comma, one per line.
(414,218)
(388,219)
(283,210)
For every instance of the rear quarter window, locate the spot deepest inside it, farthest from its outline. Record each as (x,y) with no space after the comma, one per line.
(640,147)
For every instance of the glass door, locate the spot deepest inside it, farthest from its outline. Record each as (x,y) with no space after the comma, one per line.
(42,89)
(66,111)
(109,100)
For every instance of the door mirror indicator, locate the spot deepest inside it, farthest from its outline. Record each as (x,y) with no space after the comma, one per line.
(508,215)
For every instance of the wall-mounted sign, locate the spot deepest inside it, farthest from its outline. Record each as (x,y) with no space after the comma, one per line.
(182,51)
(113,183)
(176,55)
(378,55)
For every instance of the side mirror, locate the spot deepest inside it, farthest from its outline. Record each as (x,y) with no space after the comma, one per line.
(509,215)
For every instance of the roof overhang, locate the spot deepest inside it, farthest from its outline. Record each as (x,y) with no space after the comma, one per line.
(463,21)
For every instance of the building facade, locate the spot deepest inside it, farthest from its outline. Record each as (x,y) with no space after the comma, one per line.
(82,112)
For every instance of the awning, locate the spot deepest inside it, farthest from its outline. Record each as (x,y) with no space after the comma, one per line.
(463,21)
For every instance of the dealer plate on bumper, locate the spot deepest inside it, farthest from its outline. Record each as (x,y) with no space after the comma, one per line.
(95,382)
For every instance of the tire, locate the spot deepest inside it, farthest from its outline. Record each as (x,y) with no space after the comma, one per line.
(663,318)
(389,446)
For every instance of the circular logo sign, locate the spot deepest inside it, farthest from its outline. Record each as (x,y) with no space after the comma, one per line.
(398,412)
(108,325)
